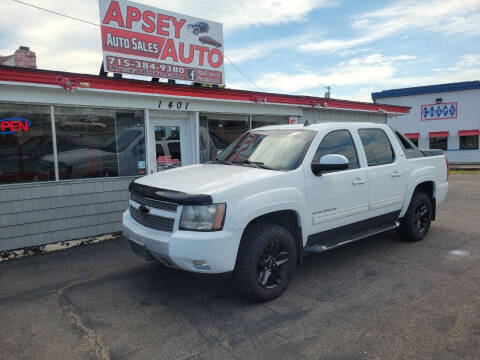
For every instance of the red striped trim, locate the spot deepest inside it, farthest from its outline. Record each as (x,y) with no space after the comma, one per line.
(47,77)
(412,135)
(469,132)
(437,134)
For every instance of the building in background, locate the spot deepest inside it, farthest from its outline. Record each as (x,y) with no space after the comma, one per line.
(443,117)
(70,143)
(22,57)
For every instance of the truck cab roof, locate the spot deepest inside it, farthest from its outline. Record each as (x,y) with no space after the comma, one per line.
(322,126)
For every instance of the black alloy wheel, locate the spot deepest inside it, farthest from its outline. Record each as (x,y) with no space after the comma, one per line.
(415,224)
(266,261)
(272,268)
(422,217)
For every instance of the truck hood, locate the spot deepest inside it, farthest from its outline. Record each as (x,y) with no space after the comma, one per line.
(205,178)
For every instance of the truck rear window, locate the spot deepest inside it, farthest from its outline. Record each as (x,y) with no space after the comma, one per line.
(377,146)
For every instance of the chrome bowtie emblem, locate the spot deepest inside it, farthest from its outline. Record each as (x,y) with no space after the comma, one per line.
(143,209)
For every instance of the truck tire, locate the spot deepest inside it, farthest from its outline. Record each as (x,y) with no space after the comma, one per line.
(266,262)
(196,31)
(415,224)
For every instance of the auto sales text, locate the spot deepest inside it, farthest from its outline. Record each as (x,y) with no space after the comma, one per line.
(159,38)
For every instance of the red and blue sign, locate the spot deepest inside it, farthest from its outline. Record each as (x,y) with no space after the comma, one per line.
(13,125)
(440,111)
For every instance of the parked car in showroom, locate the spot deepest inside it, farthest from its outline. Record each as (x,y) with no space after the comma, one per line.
(280,192)
(83,124)
(117,156)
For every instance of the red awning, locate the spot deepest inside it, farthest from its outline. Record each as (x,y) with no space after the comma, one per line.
(412,135)
(437,134)
(469,132)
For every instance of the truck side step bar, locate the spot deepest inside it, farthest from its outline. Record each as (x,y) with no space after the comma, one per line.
(321,248)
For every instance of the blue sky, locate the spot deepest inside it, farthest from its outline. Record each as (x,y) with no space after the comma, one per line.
(287,46)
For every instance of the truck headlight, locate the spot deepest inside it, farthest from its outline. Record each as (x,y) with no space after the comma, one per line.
(202,217)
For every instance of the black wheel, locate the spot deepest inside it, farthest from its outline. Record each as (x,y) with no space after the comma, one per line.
(196,31)
(266,262)
(416,222)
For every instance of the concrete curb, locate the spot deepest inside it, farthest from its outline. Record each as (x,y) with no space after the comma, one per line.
(58,246)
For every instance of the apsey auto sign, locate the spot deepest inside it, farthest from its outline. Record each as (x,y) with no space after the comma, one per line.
(143,40)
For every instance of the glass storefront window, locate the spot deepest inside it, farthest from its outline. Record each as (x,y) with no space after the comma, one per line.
(217,131)
(95,142)
(167,145)
(439,143)
(25,150)
(469,142)
(265,120)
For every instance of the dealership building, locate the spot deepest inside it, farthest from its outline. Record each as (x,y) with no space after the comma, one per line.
(88,137)
(445,116)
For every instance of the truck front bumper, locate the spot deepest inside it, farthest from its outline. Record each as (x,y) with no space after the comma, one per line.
(205,252)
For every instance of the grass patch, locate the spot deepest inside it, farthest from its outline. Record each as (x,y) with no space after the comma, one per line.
(464,171)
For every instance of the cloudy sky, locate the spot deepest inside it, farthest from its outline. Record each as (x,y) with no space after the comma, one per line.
(288,46)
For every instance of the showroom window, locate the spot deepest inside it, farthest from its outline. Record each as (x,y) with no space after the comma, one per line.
(97,142)
(469,142)
(439,143)
(217,131)
(265,120)
(26,146)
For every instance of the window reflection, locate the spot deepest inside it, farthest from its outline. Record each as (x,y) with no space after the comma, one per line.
(469,142)
(338,142)
(22,152)
(99,142)
(217,131)
(266,120)
(439,143)
(167,145)
(377,146)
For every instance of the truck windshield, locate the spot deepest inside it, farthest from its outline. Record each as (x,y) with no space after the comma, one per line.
(268,149)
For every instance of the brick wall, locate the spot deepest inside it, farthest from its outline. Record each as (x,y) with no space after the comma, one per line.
(25,58)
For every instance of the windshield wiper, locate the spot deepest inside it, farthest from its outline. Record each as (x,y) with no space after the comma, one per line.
(257,164)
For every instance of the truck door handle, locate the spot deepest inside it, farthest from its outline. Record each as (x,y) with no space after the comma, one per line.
(396,173)
(358,181)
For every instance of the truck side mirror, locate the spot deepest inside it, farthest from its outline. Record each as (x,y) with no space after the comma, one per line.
(330,162)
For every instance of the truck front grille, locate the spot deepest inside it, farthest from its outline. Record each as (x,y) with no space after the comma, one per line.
(157,204)
(152,221)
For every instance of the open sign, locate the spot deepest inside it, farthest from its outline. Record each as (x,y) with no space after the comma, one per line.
(13,125)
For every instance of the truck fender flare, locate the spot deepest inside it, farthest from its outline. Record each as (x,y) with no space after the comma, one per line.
(285,199)
(416,178)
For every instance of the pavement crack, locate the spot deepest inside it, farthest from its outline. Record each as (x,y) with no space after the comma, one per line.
(68,308)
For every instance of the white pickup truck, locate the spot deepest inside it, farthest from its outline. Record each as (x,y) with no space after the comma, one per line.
(279,192)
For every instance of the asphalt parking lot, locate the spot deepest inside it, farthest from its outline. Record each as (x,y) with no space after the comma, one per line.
(379,298)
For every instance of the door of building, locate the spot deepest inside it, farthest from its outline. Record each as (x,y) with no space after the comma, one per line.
(169,145)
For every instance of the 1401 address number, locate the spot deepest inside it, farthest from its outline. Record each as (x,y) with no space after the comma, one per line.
(173,105)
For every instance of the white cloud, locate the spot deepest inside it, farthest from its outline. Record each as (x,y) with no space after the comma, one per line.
(444,17)
(363,94)
(370,69)
(240,14)
(469,60)
(266,48)
(368,73)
